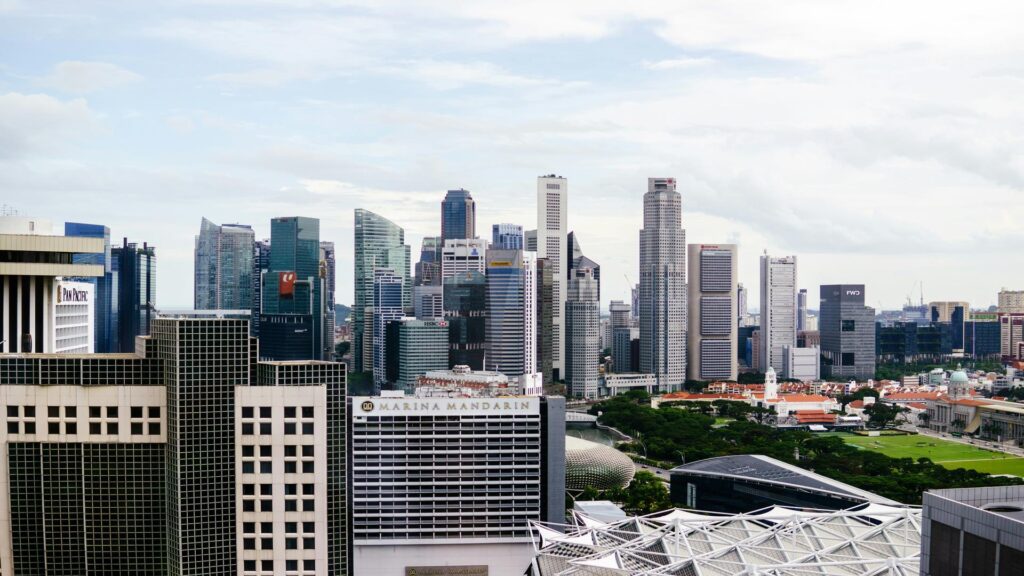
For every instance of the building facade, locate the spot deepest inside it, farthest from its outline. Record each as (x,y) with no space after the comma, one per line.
(582,331)
(103,286)
(847,330)
(802,363)
(713,330)
(294,307)
(223,266)
(545,314)
(428,301)
(328,273)
(1011,334)
(458,215)
(413,348)
(972,531)
(507,237)
(511,312)
(379,243)
(135,271)
(577,260)
(33,260)
(185,458)
(1011,301)
(552,230)
(778,309)
(463,255)
(260,266)
(801,310)
(663,285)
(428,269)
(621,317)
(387,307)
(73,318)
(465,309)
(449,485)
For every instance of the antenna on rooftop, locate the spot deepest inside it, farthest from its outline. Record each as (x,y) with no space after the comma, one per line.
(8,210)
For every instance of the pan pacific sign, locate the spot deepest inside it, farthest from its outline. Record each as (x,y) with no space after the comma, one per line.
(377,406)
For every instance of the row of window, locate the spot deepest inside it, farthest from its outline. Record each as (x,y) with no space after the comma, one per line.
(137,428)
(290,451)
(267,412)
(290,467)
(289,543)
(266,429)
(289,527)
(72,411)
(268,565)
(308,505)
(268,489)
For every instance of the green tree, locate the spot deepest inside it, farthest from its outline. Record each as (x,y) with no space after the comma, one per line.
(646,494)
(882,415)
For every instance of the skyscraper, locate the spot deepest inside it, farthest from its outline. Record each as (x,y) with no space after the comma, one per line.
(458,215)
(801,310)
(412,348)
(552,230)
(379,243)
(223,267)
(292,317)
(576,260)
(465,309)
(847,332)
(328,270)
(463,255)
(103,286)
(530,241)
(260,265)
(712,333)
(428,301)
(507,237)
(135,271)
(622,328)
(582,334)
(387,306)
(428,269)
(778,309)
(511,312)
(741,303)
(663,286)
(544,314)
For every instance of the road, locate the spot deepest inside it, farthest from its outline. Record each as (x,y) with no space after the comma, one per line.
(661,473)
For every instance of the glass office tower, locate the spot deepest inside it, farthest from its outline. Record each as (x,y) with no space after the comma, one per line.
(458,215)
(379,243)
(104,285)
(291,324)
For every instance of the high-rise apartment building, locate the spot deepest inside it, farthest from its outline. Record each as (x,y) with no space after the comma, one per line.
(577,260)
(713,331)
(582,335)
(413,348)
(293,308)
(458,215)
(507,237)
(223,266)
(186,458)
(464,478)
(387,307)
(379,243)
(511,312)
(103,285)
(847,330)
(663,286)
(465,309)
(552,231)
(778,309)
(801,310)
(134,268)
(1011,301)
(463,255)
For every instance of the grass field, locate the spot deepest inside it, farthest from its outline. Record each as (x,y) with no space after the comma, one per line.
(952,455)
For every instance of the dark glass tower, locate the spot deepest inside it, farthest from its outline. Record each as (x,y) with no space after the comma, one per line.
(134,305)
(102,302)
(458,215)
(465,308)
(291,321)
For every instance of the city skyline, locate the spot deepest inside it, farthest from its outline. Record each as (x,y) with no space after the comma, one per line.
(213,113)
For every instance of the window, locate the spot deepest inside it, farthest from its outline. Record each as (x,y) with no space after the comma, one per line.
(249,527)
(248,468)
(265,412)
(53,428)
(307,489)
(53,411)
(154,428)
(247,428)
(289,451)
(307,427)
(266,451)
(266,505)
(136,411)
(291,565)
(12,411)
(289,412)
(266,527)
(266,489)
(248,489)
(309,543)
(267,565)
(71,411)
(111,427)
(70,428)
(290,468)
(266,467)
(246,411)
(111,411)
(95,428)
(30,411)
(307,451)
(291,544)
(309,526)
(265,428)
(849,359)
(154,411)
(849,325)
(249,566)
(267,543)
(291,489)
(307,467)
(12,427)
(307,411)
(308,506)
(309,565)
(248,451)
(291,506)
(291,527)
(136,427)
(95,412)
(30,427)
(249,543)
(289,427)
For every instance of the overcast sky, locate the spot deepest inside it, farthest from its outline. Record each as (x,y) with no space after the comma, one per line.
(882,142)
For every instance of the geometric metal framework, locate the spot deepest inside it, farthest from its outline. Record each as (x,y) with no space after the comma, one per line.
(593,465)
(867,540)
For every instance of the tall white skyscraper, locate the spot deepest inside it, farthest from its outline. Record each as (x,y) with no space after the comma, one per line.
(711,294)
(741,301)
(778,309)
(582,328)
(552,231)
(663,285)
(530,312)
(463,255)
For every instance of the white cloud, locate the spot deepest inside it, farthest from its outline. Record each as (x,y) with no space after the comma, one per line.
(684,62)
(78,77)
(31,123)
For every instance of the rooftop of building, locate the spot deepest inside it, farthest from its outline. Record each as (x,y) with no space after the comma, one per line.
(799,399)
(1006,501)
(759,468)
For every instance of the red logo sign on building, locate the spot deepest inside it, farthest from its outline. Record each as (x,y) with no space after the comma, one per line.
(286,284)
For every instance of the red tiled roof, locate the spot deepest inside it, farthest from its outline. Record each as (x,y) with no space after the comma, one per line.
(814,417)
(918,405)
(858,404)
(912,396)
(800,398)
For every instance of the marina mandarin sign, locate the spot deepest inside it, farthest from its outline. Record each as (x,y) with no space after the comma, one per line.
(377,406)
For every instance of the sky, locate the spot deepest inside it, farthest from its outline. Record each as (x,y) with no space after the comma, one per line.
(881,142)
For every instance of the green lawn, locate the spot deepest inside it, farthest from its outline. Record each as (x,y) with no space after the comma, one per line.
(952,455)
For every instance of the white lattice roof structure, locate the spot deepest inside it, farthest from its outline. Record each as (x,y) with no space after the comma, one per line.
(867,540)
